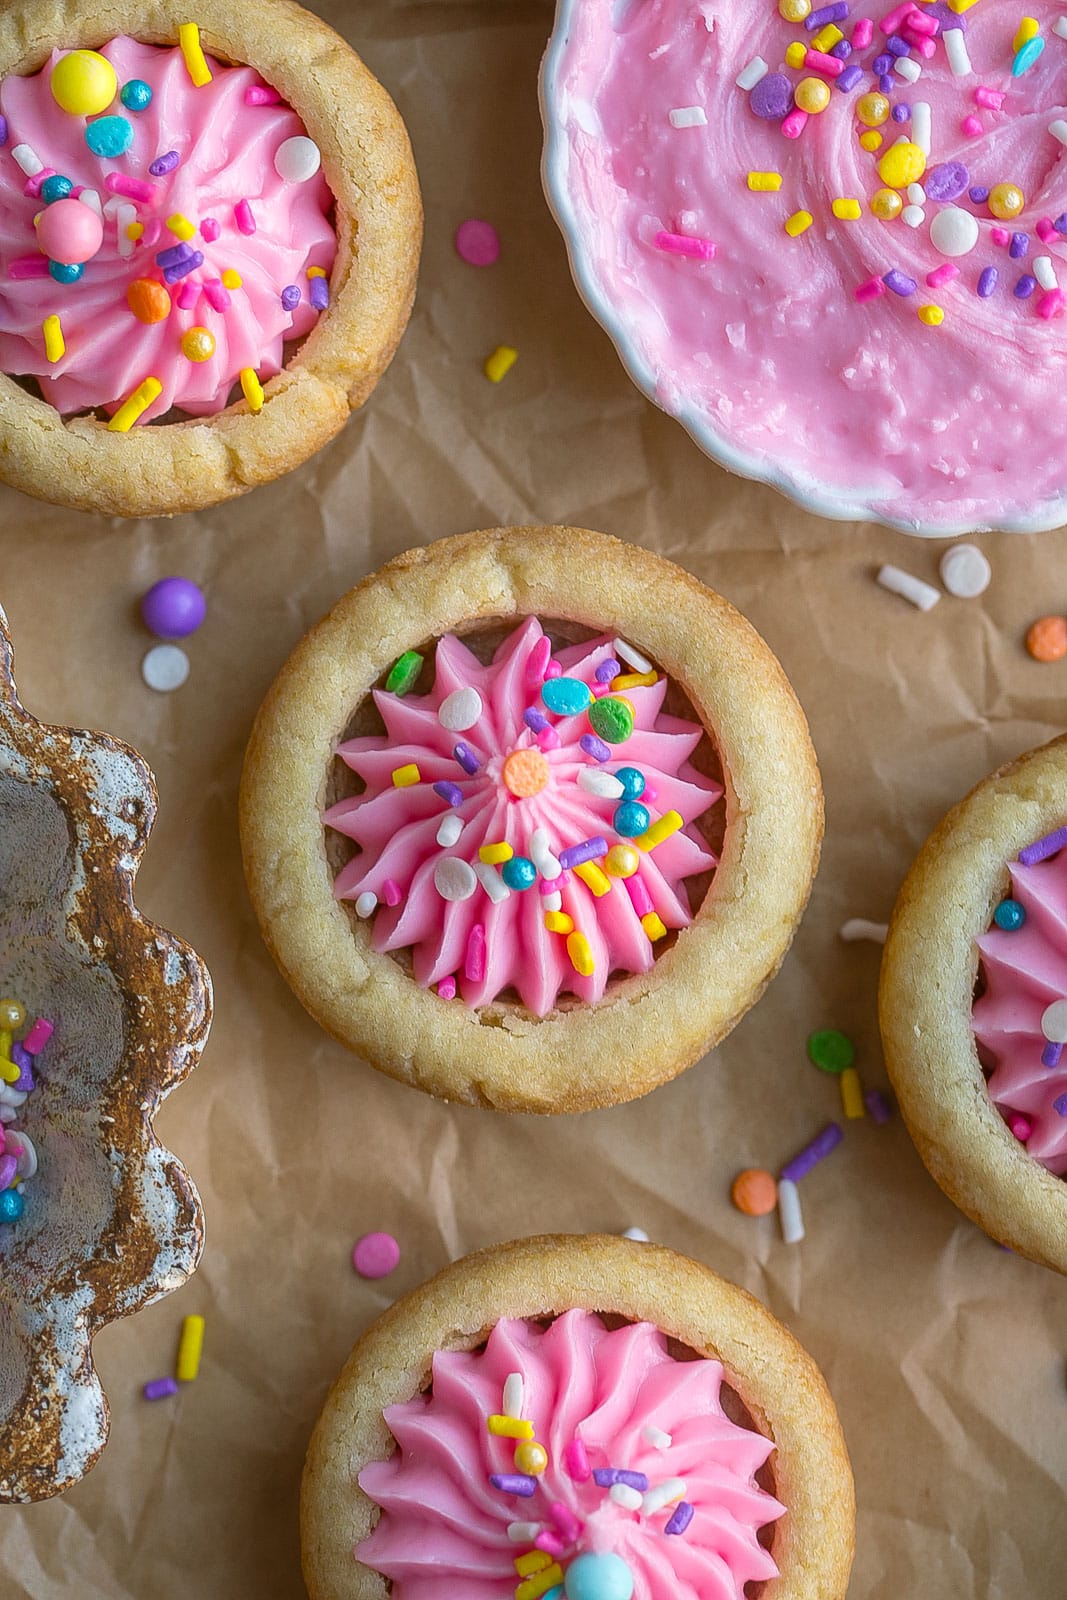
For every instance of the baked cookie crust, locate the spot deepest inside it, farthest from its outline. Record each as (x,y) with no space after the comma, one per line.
(774,1377)
(162,469)
(648,1027)
(926,995)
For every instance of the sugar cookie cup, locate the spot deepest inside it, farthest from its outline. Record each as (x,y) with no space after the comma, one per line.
(162,468)
(649,1026)
(773,1388)
(930,973)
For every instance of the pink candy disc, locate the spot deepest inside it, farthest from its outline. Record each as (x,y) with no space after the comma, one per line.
(477,242)
(375,1255)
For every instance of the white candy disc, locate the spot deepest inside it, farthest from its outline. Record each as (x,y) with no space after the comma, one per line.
(454,879)
(298,159)
(1054,1022)
(636,1233)
(365,903)
(26,1157)
(593,781)
(954,231)
(165,667)
(965,572)
(460,710)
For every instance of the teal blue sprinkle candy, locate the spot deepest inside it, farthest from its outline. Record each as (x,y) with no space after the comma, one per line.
(1026,55)
(565,696)
(109,137)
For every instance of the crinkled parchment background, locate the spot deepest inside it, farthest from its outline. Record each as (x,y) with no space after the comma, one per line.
(945,1355)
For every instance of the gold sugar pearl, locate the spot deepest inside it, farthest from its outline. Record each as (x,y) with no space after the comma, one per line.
(531,1457)
(872,109)
(1006,200)
(886,204)
(12,1015)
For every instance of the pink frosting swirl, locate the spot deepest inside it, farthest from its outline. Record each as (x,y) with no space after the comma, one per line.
(444,1525)
(397,828)
(226,149)
(1025,971)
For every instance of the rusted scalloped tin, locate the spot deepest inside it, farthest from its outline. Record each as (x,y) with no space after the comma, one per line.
(112,1220)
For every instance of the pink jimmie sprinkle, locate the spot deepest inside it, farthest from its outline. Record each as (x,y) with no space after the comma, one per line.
(188,295)
(38,1036)
(640,898)
(1052,304)
(649,793)
(892,20)
(132,188)
(971,126)
(260,94)
(549,885)
(829,66)
(1021,1127)
(537,663)
(942,275)
(568,1524)
(991,99)
(793,125)
(917,22)
(548,739)
(210,229)
(1000,236)
(218,296)
(242,215)
(474,960)
(862,33)
(1046,229)
(152,230)
(678,244)
(391,893)
(551,1542)
(575,1461)
(33,186)
(447,988)
(553,670)
(869,290)
(28,267)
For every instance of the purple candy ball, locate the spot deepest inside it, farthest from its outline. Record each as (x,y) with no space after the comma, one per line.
(946,181)
(772,97)
(173,608)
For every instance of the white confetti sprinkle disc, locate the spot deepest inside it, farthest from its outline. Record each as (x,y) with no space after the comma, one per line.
(965,572)
(636,1233)
(460,710)
(165,667)
(366,903)
(297,159)
(1054,1022)
(954,232)
(454,879)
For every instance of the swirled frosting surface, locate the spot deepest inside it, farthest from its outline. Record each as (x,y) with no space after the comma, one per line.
(226,149)
(443,1523)
(495,937)
(855,406)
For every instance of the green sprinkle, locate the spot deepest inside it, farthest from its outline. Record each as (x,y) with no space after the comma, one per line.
(611,719)
(404,673)
(830,1050)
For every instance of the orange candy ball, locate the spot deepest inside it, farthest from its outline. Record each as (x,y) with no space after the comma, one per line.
(754,1192)
(1046,639)
(148,300)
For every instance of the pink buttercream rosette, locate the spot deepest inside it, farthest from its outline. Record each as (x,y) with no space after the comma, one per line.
(396,828)
(444,1527)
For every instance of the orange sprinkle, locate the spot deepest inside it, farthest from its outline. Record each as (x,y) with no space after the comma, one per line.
(1046,639)
(148,300)
(754,1192)
(525,773)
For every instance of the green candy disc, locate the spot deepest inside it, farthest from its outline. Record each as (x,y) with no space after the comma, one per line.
(830,1050)
(403,674)
(611,719)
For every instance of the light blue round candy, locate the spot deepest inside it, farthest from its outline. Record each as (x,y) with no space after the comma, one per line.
(66,271)
(109,137)
(633,782)
(12,1205)
(136,95)
(598,1577)
(519,873)
(566,696)
(630,819)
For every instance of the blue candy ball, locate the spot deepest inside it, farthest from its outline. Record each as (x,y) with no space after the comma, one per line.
(136,95)
(633,782)
(519,873)
(65,272)
(566,696)
(12,1205)
(57,187)
(109,137)
(598,1577)
(630,819)
(1009,915)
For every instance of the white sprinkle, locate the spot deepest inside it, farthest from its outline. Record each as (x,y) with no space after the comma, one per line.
(636,1233)
(956,50)
(111,207)
(789,1212)
(859,928)
(623,1495)
(749,76)
(514,1394)
(449,831)
(552,902)
(1045,272)
(954,232)
(1058,129)
(1060,27)
(523,1532)
(921,127)
(541,855)
(965,572)
(688,117)
(90,198)
(12,1097)
(605,784)
(492,883)
(656,1437)
(454,879)
(921,594)
(916,194)
(662,1494)
(906,68)
(632,657)
(125,214)
(914,216)
(366,903)
(460,710)
(28,160)
(165,667)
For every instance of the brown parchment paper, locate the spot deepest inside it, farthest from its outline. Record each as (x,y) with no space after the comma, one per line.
(945,1355)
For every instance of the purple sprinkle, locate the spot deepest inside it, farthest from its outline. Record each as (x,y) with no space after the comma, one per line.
(837,12)
(182,269)
(988,279)
(1060,1104)
(878,1106)
(3,130)
(848,79)
(1060,223)
(681,1518)
(886,83)
(595,747)
(535,720)
(466,758)
(164,164)
(290,297)
(882,64)
(319,293)
(842,50)
(1041,849)
(1020,244)
(607,670)
(1025,287)
(896,46)
(1050,1055)
(450,793)
(24,1084)
(947,18)
(9,1170)
(771,97)
(901,113)
(587,850)
(813,1153)
(979,194)
(946,181)
(605,1477)
(899,282)
(173,254)
(160,1388)
(514,1483)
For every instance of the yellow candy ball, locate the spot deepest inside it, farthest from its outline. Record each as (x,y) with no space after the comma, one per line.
(531,1457)
(794,10)
(886,204)
(812,95)
(198,344)
(84,83)
(902,164)
(12,1015)
(872,109)
(621,861)
(1006,200)
(871,140)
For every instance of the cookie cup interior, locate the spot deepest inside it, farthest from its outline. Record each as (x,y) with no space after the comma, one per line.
(929,972)
(774,1377)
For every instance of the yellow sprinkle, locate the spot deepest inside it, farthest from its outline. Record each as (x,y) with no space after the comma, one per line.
(252,389)
(669,823)
(500,363)
(535,1587)
(933,316)
(851,1094)
(495,854)
(653,926)
(621,861)
(902,164)
(871,140)
(189,39)
(634,680)
(826,38)
(404,777)
(960,6)
(593,878)
(533,1561)
(798,223)
(795,54)
(8,1070)
(559,922)
(190,1346)
(846,210)
(765,182)
(142,397)
(232,279)
(511,1427)
(134,230)
(580,953)
(54,344)
(316,272)
(1028,29)
(5,1042)
(180,226)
